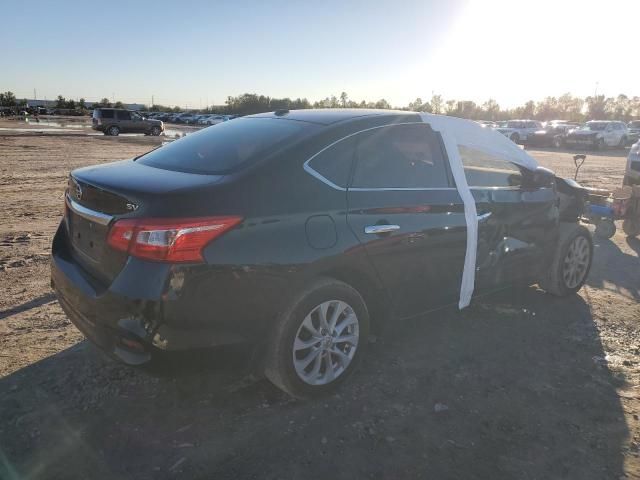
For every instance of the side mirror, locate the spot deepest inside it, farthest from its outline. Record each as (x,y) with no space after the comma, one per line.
(539,178)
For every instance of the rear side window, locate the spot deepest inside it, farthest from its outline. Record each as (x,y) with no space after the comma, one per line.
(226,146)
(106,113)
(123,115)
(334,163)
(485,170)
(399,156)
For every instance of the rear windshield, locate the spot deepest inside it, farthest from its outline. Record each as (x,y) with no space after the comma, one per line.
(224,147)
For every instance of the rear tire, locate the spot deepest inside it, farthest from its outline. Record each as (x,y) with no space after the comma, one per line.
(600,144)
(113,131)
(571,261)
(305,357)
(515,138)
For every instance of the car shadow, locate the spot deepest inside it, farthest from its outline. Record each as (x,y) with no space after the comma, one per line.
(614,269)
(36,302)
(516,386)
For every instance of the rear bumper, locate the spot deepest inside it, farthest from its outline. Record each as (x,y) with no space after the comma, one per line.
(138,316)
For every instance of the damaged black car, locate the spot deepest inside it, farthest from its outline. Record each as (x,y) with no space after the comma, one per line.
(298,232)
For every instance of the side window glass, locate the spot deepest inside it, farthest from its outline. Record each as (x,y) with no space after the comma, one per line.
(485,170)
(107,113)
(334,163)
(399,156)
(123,115)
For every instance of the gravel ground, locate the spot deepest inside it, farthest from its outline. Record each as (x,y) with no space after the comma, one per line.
(520,385)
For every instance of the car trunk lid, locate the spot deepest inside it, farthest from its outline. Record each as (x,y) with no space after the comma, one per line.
(97,196)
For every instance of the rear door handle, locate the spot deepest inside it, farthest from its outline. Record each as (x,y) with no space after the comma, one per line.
(377,229)
(484,216)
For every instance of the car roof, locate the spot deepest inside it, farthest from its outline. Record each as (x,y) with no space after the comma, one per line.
(327,116)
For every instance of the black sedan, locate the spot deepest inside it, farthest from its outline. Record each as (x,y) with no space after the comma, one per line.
(298,232)
(551,136)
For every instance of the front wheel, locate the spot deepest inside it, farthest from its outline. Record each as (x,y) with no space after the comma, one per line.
(318,340)
(571,261)
(515,138)
(600,144)
(155,131)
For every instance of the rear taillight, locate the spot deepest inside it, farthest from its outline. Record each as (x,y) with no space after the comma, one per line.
(167,239)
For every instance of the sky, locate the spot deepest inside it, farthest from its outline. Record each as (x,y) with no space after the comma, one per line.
(193,53)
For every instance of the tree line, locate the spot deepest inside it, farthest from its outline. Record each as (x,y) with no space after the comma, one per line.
(565,107)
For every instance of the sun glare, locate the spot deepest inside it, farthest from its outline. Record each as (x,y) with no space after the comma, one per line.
(519,51)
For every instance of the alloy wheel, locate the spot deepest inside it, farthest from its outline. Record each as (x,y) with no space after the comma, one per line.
(326,342)
(576,262)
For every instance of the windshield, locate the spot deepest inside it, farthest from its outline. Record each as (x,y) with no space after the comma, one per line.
(223,147)
(594,126)
(514,124)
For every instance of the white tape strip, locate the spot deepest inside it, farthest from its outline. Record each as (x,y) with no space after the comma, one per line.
(471,217)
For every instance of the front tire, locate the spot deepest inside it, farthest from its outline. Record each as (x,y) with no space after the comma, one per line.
(600,144)
(571,262)
(155,131)
(515,138)
(318,339)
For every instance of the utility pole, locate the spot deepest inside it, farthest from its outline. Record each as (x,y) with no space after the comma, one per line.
(152,102)
(34,94)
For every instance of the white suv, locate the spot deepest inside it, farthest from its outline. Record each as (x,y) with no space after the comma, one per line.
(519,130)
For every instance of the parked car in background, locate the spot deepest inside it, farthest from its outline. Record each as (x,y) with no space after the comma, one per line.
(173,118)
(552,135)
(487,123)
(202,119)
(634,131)
(599,134)
(186,118)
(215,119)
(114,121)
(197,243)
(519,130)
(551,123)
(632,172)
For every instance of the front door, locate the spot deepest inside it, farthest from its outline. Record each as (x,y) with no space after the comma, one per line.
(517,222)
(404,209)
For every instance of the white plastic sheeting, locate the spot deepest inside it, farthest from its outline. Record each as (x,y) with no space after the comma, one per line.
(457,131)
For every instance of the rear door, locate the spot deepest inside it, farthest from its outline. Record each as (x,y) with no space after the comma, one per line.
(517,222)
(124,122)
(407,214)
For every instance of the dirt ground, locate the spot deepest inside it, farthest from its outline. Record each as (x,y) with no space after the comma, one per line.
(519,386)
